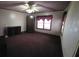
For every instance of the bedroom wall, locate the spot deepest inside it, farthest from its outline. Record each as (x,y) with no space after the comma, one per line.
(70,38)
(56,22)
(12,18)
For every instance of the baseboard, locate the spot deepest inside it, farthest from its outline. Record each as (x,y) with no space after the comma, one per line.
(3,36)
(23,32)
(47,34)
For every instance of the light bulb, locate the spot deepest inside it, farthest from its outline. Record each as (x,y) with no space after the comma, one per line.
(31,17)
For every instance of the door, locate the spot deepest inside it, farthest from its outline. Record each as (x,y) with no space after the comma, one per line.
(30,24)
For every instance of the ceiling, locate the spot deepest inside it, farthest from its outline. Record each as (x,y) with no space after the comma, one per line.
(42,6)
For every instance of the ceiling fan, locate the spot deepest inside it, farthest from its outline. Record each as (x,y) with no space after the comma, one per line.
(31,7)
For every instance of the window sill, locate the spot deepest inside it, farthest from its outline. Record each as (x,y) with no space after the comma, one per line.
(44,29)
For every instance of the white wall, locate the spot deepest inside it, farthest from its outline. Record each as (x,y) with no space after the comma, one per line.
(56,22)
(70,36)
(12,18)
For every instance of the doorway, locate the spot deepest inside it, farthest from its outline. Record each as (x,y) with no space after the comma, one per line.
(30,23)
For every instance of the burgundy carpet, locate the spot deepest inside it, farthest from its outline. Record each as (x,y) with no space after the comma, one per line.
(34,45)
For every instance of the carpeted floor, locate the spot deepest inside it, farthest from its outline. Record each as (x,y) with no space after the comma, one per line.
(34,45)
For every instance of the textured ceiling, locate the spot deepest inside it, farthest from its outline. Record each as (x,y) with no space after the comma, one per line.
(42,6)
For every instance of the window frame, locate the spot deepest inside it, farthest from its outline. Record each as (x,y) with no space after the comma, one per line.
(44,22)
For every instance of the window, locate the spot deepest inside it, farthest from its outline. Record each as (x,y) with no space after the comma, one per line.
(44,22)
(40,23)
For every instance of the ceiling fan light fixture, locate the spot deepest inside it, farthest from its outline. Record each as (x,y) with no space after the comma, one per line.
(29,11)
(31,8)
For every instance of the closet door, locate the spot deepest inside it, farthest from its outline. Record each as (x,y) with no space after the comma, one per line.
(30,24)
